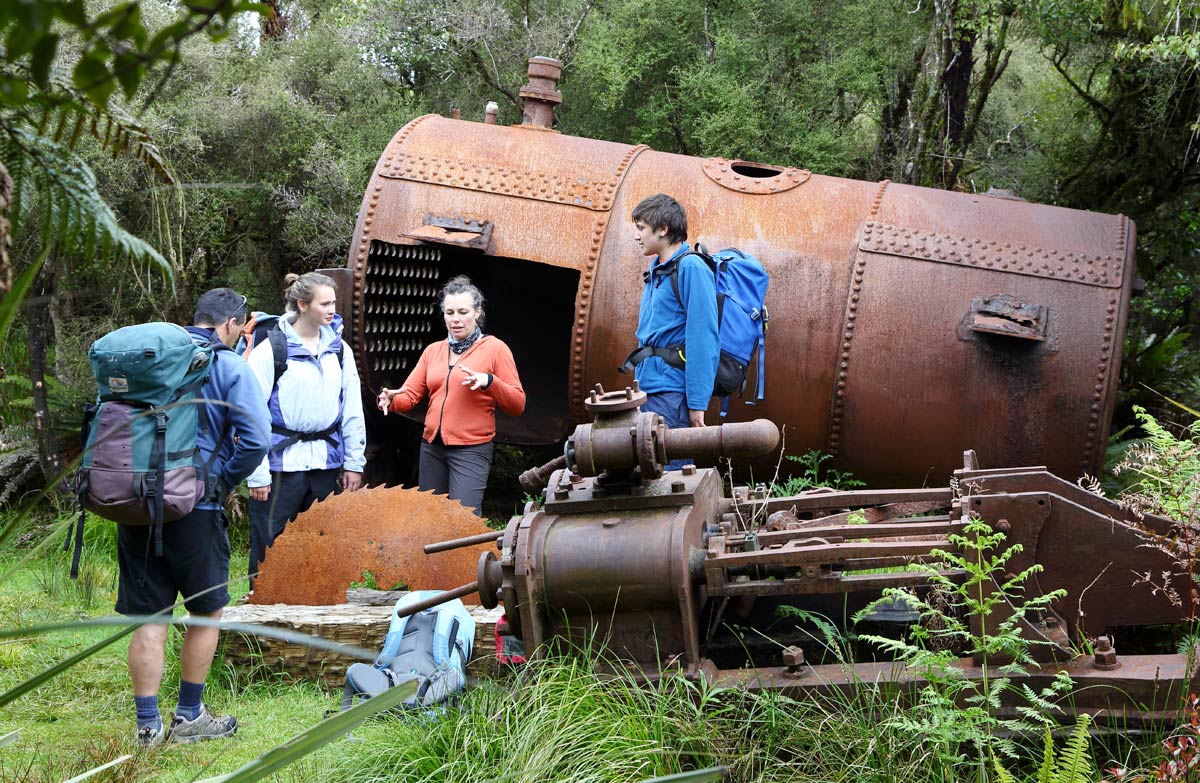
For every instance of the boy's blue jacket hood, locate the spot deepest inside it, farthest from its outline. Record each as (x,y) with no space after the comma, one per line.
(239,427)
(664,321)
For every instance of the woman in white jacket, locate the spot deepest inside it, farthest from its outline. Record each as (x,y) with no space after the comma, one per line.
(318,435)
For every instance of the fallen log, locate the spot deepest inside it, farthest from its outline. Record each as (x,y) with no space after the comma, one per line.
(358,624)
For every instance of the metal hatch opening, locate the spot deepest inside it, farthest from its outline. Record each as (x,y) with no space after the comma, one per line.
(530,306)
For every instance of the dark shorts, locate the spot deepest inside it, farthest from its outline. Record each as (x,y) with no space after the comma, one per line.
(195,558)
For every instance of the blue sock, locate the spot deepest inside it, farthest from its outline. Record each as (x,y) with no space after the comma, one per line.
(189,699)
(147,711)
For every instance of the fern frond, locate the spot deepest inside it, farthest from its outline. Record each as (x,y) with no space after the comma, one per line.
(57,190)
(1075,762)
(1002,775)
(71,115)
(1046,773)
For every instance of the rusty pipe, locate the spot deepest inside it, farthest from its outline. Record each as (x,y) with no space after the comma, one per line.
(649,444)
(535,479)
(540,93)
(458,592)
(459,543)
(744,439)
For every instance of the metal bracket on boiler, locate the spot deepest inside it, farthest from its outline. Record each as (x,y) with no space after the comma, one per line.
(454,231)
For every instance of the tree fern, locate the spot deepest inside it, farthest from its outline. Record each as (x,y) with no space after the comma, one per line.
(56,190)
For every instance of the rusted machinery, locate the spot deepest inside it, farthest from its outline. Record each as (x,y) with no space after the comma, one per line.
(907,324)
(652,563)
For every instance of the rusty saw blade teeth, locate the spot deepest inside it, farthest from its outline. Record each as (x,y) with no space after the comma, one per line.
(382,530)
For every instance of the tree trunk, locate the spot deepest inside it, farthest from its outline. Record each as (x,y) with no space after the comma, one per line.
(37,311)
(958,88)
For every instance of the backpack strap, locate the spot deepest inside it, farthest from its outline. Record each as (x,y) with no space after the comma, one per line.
(279,353)
(81,490)
(672,355)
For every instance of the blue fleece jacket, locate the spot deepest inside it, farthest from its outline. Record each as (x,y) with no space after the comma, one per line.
(239,427)
(664,321)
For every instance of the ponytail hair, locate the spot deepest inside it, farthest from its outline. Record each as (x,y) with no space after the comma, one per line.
(302,288)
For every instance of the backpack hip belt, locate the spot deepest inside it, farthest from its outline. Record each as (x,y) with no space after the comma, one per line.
(291,436)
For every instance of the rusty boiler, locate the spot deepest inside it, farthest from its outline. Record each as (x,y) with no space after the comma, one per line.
(906,324)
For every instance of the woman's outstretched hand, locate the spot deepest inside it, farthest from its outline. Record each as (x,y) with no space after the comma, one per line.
(385,398)
(476,380)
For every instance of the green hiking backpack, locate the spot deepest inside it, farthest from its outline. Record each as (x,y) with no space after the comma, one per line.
(140,463)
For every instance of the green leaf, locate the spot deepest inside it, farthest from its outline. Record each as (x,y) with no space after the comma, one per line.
(11,303)
(129,26)
(92,77)
(97,770)
(170,33)
(42,59)
(73,13)
(129,72)
(13,91)
(19,42)
(699,776)
(318,736)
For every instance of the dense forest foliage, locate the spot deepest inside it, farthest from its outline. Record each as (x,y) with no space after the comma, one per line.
(149,161)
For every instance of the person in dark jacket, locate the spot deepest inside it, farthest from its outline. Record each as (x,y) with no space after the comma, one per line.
(195,559)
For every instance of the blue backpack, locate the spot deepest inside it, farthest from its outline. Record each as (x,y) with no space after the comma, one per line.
(140,462)
(431,648)
(742,316)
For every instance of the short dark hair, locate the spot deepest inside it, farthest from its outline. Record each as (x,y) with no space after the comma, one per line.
(662,210)
(214,307)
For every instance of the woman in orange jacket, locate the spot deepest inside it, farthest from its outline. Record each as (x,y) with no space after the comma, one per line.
(466,377)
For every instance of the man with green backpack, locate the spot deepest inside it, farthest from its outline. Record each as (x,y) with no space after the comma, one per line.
(180,421)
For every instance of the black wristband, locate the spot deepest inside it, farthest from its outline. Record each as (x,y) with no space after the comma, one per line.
(488,385)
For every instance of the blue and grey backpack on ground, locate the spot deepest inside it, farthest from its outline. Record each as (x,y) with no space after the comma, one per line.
(140,463)
(742,316)
(430,648)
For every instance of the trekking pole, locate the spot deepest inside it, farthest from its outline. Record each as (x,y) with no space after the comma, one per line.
(459,543)
(438,600)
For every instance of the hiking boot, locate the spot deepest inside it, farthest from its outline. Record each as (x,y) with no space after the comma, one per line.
(151,736)
(206,726)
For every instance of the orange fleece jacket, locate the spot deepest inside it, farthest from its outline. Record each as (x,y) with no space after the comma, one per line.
(465,417)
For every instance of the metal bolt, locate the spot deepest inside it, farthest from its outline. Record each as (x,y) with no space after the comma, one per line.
(1106,655)
(689,470)
(677,486)
(793,660)
(1003,525)
(561,494)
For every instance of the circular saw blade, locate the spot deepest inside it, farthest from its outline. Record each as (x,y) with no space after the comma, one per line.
(380,529)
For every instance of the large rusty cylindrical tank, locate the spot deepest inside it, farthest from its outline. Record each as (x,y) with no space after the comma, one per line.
(906,324)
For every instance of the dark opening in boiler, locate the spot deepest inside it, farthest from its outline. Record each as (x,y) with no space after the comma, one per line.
(756,170)
(530,306)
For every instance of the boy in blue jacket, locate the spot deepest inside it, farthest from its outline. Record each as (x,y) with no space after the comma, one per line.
(195,560)
(678,338)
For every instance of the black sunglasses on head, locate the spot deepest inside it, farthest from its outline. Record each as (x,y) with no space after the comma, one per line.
(237,310)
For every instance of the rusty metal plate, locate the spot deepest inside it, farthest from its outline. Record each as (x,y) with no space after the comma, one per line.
(382,530)
(730,174)
(595,193)
(1105,271)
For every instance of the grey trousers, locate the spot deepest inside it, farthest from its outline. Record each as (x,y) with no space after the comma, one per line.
(458,471)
